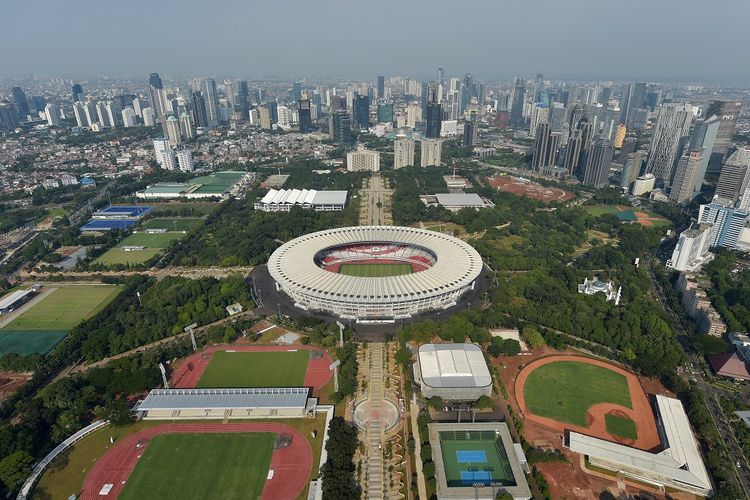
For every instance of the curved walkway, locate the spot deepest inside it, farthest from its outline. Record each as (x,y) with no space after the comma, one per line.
(291,465)
(641,413)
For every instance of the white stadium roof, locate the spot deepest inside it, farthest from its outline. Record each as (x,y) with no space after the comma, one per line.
(453,365)
(182,399)
(460,199)
(303,197)
(457,265)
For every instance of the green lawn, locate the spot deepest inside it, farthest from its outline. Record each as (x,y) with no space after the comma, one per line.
(371,270)
(621,426)
(29,341)
(150,240)
(65,307)
(256,369)
(117,256)
(170,224)
(565,390)
(179,466)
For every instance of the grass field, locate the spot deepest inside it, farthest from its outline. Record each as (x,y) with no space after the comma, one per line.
(170,224)
(28,341)
(628,214)
(565,390)
(621,426)
(116,256)
(150,240)
(452,442)
(371,270)
(178,466)
(65,307)
(256,369)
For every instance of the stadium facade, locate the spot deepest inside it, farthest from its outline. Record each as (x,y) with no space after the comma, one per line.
(456,372)
(441,270)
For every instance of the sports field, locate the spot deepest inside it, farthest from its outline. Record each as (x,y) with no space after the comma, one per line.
(565,390)
(372,270)
(65,307)
(150,240)
(620,426)
(117,256)
(255,369)
(639,215)
(170,224)
(471,457)
(28,341)
(178,466)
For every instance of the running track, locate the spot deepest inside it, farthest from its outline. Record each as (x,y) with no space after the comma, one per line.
(291,465)
(187,374)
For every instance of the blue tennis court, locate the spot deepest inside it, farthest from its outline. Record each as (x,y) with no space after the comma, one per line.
(123,211)
(471,456)
(107,225)
(476,476)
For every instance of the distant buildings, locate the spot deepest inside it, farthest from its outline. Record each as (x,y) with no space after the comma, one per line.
(340,127)
(164,154)
(516,111)
(672,124)
(363,160)
(727,113)
(403,152)
(692,249)
(728,222)
(546,143)
(598,161)
(592,286)
(362,111)
(52,114)
(431,152)
(22,104)
(304,116)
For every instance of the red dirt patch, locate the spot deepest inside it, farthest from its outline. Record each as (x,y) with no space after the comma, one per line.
(515,185)
(641,413)
(189,370)
(10,382)
(291,465)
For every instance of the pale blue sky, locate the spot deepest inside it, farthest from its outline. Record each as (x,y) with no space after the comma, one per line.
(576,39)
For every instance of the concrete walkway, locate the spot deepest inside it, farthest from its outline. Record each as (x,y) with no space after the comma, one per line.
(375,431)
(414,412)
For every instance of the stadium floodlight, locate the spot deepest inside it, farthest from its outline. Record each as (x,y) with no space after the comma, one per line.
(335,367)
(190,329)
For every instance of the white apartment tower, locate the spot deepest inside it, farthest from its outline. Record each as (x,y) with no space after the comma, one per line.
(431,152)
(403,152)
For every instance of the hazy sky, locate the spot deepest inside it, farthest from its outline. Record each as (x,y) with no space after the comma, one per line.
(576,39)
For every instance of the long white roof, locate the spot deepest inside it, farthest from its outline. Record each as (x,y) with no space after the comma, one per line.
(184,399)
(680,460)
(453,365)
(303,197)
(457,264)
(13,297)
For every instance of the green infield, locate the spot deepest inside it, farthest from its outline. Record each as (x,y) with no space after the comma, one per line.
(255,369)
(374,270)
(171,224)
(471,457)
(565,390)
(27,342)
(150,240)
(620,426)
(65,307)
(206,465)
(118,256)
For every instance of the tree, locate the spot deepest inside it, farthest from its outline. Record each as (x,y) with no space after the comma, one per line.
(338,471)
(436,403)
(116,411)
(15,468)
(511,347)
(483,403)
(403,357)
(532,337)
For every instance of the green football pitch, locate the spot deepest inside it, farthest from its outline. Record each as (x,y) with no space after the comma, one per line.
(170,224)
(118,256)
(373,270)
(255,369)
(460,450)
(26,342)
(65,307)
(565,390)
(206,465)
(150,240)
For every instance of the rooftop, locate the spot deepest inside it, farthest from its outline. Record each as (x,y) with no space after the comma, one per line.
(460,199)
(453,365)
(180,399)
(13,297)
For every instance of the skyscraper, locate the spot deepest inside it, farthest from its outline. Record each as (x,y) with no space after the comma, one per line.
(573,152)
(727,112)
(672,124)
(546,143)
(340,127)
(164,154)
(243,98)
(631,167)
(304,116)
(440,76)
(598,161)
(433,112)
(77,92)
(704,137)
(403,152)
(684,178)
(212,102)
(471,133)
(264,115)
(128,117)
(728,222)
(362,111)
(735,175)
(52,114)
(516,111)
(381,87)
(185,160)
(431,152)
(633,97)
(172,129)
(22,104)
(297,91)
(155,90)
(385,112)
(200,115)
(8,116)
(187,127)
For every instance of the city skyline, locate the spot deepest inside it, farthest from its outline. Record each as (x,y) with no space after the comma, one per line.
(667,41)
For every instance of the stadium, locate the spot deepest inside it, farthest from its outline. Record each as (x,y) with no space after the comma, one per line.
(375,273)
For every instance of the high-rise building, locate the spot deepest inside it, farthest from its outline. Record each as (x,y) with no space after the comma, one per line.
(38,103)
(385,112)
(102,116)
(362,111)
(631,167)
(337,102)
(403,152)
(692,248)
(546,143)
(622,131)
(164,154)
(304,116)
(728,222)
(80,113)
(52,114)
(516,111)
(149,117)
(381,87)
(727,112)
(200,115)
(211,98)
(77,92)
(243,99)
(340,127)
(704,137)
(440,76)
(187,128)
(297,91)
(471,133)
(431,151)
(155,93)
(672,124)
(8,116)
(684,178)
(128,117)
(172,129)
(633,97)
(264,114)
(185,160)
(573,152)
(598,161)
(22,104)
(557,115)
(735,176)
(539,115)
(363,160)
(433,112)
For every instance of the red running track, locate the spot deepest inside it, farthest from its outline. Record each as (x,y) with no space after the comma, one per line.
(186,375)
(291,465)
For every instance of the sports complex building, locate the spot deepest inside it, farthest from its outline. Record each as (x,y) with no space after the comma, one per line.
(476,461)
(679,465)
(375,273)
(456,372)
(283,200)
